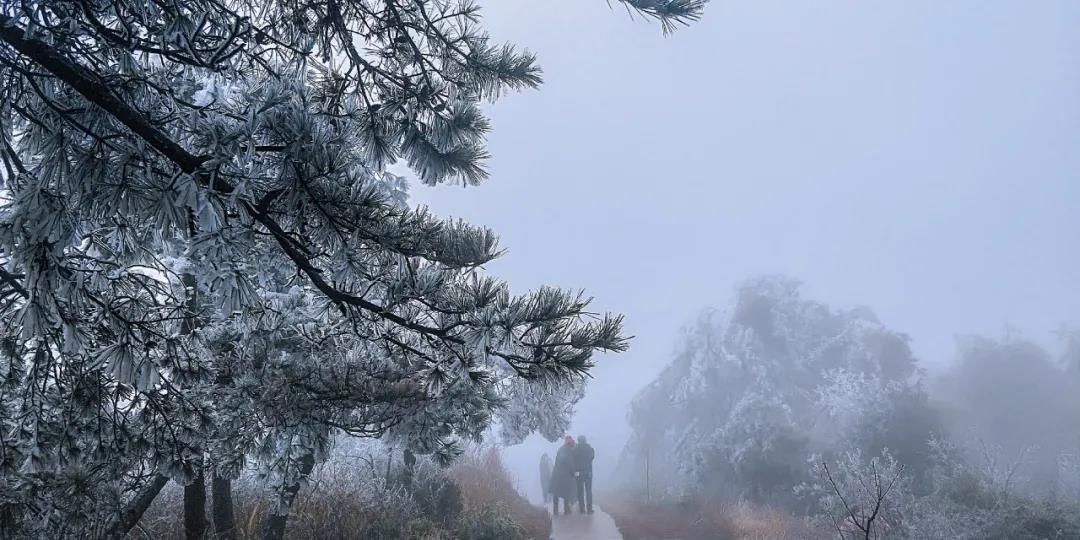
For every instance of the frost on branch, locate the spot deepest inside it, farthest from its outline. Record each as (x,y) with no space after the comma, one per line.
(203,259)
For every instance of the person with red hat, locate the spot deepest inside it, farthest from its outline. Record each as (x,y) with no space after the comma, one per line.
(563,484)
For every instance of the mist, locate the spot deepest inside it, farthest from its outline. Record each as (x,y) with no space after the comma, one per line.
(820,247)
(914,158)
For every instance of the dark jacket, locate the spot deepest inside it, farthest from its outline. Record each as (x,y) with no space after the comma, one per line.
(583,458)
(562,475)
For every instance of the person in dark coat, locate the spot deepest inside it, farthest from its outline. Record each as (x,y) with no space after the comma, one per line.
(563,485)
(583,461)
(545,476)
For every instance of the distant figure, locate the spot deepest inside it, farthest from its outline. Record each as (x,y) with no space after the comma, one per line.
(545,476)
(562,476)
(583,460)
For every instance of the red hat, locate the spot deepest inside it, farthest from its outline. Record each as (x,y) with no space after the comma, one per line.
(569,440)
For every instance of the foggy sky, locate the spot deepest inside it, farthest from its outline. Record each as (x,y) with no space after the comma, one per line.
(916,157)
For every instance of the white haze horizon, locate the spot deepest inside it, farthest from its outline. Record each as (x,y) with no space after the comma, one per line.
(914,158)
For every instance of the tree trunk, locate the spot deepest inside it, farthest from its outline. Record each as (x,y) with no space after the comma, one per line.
(195,524)
(275,523)
(222,508)
(410,469)
(130,516)
(389,463)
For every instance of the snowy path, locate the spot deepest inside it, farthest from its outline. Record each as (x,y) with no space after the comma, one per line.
(598,526)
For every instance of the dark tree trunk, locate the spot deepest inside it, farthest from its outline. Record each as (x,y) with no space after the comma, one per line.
(222,508)
(195,524)
(275,523)
(131,515)
(389,463)
(410,469)
(275,527)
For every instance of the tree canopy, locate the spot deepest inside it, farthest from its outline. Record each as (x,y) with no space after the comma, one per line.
(754,391)
(202,253)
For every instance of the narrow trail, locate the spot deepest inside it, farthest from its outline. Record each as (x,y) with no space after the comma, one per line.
(598,526)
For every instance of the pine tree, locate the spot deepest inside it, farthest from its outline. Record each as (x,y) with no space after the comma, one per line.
(195,211)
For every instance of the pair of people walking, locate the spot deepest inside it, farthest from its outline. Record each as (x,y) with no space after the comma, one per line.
(570,478)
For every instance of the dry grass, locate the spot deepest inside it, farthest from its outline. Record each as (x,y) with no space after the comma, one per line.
(325,511)
(486,483)
(640,520)
(346,501)
(756,523)
(701,520)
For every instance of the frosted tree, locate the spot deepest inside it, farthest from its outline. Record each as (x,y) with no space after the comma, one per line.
(195,209)
(756,389)
(993,429)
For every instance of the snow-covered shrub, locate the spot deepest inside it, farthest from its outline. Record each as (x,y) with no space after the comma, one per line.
(860,497)
(965,501)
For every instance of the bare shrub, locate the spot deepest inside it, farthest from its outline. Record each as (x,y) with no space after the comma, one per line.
(862,499)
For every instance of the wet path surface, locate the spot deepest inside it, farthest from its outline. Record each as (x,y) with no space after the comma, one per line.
(598,526)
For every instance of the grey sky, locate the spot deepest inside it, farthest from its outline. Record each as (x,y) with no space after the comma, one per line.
(917,157)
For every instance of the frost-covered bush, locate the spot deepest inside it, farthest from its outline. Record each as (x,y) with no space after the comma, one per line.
(966,501)
(437,495)
(490,523)
(860,497)
(937,517)
(979,498)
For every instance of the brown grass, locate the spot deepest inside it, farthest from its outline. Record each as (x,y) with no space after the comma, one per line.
(339,503)
(700,520)
(641,520)
(326,512)
(485,483)
(757,523)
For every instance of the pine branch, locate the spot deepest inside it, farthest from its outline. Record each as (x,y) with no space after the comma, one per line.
(132,513)
(13,281)
(670,13)
(96,91)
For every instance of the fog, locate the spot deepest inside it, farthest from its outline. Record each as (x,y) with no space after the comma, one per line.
(915,157)
(348,269)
